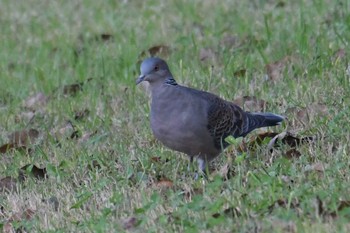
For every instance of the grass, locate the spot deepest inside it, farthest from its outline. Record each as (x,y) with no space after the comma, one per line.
(107,181)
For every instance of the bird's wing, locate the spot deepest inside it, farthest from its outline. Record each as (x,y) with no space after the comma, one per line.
(224,119)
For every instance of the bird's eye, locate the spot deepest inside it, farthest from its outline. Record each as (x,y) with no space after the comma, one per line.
(156,68)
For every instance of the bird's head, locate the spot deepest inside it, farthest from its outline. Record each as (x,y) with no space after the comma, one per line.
(154,70)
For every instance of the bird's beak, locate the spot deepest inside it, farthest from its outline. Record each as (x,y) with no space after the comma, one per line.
(140,79)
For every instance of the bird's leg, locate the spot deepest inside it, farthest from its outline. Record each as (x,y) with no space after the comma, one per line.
(201,164)
(202,168)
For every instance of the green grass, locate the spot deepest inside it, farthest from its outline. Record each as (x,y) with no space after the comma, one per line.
(46,45)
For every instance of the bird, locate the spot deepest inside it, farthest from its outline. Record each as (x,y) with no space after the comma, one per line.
(192,121)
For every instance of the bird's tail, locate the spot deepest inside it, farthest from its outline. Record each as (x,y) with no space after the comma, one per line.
(259,120)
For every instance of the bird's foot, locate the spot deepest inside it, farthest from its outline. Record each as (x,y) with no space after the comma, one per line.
(200,174)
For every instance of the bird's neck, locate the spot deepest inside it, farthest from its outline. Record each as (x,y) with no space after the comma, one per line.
(162,85)
(170,81)
(163,88)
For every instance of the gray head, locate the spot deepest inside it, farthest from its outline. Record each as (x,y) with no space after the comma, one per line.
(154,70)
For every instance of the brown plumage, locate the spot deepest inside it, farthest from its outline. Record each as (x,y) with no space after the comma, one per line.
(192,121)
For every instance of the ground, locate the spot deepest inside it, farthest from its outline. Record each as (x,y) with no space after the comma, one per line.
(77,151)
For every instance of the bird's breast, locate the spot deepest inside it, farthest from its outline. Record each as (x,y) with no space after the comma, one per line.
(179,119)
(166,117)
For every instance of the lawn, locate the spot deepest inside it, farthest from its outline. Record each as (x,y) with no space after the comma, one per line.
(77,151)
